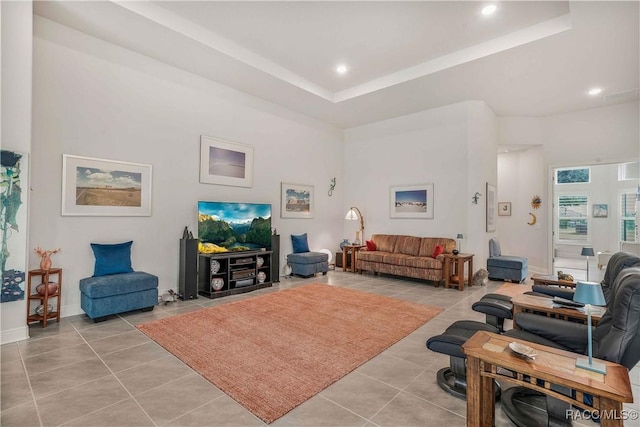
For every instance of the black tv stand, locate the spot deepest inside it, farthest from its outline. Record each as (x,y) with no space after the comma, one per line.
(231,273)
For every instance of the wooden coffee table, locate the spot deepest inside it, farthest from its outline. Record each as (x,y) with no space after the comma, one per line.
(542,279)
(542,305)
(489,357)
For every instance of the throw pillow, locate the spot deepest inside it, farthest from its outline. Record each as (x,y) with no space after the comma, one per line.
(437,251)
(494,248)
(300,243)
(371,245)
(112,259)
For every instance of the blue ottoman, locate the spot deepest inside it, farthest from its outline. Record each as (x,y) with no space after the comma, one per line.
(307,264)
(504,267)
(117,293)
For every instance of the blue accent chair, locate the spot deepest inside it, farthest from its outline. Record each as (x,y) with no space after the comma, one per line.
(307,264)
(505,267)
(117,293)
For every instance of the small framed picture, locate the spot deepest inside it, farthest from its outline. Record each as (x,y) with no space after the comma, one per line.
(504,208)
(296,200)
(600,210)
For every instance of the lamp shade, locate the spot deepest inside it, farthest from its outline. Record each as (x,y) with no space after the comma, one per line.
(352,215)
(460,236)
(587,251)
(589,293)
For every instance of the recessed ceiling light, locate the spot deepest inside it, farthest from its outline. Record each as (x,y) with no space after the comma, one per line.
(489,9)
(341,69)
(595,91)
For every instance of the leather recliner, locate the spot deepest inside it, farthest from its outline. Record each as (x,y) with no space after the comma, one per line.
(616,338)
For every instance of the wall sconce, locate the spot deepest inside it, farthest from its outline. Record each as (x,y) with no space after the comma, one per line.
(475,198)
(353,216)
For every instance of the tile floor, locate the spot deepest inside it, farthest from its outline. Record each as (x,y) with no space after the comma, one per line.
(78,373)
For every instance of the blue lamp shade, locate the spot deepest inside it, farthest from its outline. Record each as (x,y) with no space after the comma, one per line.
(589,293)
(587,251)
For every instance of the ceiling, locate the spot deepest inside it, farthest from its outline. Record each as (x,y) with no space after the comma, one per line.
(531,58)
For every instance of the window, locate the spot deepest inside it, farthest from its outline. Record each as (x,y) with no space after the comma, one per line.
(628,216)
(573,176)
(572,218)
(629,171)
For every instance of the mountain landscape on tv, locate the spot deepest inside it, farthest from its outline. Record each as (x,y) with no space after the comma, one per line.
(224,227)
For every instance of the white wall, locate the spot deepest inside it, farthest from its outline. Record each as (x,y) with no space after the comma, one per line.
(453,147)
(600,135)
(16,46)
(94,99)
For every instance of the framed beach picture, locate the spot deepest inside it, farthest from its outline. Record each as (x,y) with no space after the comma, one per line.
(225,162)
(491,208)
(600,210)
(504,208)
(99,187)
(296,200)
(411,201)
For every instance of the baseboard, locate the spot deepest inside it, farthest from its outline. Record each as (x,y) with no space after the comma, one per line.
(70,310)
(13,335)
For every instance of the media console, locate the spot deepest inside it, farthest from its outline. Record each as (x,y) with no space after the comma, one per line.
(231,273)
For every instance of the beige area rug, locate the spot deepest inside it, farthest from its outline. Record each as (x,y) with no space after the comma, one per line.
(512,289)
(273,352)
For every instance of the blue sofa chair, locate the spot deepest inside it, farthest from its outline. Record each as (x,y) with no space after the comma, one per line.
(117,293)
(504,267)
(304,262)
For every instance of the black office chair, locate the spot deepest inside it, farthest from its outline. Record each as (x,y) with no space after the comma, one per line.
(616,339)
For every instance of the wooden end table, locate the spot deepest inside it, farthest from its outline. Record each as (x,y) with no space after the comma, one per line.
(487,353)
(542,305)
(542,279)
(354,256)
(454,269)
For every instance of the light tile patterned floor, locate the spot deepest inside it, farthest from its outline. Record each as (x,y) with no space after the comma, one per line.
(78,373)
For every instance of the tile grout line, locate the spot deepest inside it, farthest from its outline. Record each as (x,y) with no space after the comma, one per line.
(33,396)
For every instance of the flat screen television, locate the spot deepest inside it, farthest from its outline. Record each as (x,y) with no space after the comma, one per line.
(230,226)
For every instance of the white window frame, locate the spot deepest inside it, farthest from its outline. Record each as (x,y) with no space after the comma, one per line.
(586,218)
(621,217)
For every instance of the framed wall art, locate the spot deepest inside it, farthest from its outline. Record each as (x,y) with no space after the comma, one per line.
(600,210)
(491,208)
(412,201)
(296,200)
(504,208)
(225,162)
(99,187)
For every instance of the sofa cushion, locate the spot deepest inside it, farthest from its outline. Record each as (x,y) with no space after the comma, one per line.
(300,244)
(512,262)
(408,245)
(428,245)
(117,284)
(423,262)
(372,256)
(112,258)
(494,248)
(307,258)
(384,242)
(371,245)
(437,251)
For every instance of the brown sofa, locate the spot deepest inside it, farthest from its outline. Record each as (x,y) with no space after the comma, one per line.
(407,256)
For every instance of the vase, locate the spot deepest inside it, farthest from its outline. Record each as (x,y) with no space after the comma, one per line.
(45,262)
(344,243)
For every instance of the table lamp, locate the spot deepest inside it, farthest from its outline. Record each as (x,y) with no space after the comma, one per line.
(459,237)
(352,215)
(589,293)
(587,251)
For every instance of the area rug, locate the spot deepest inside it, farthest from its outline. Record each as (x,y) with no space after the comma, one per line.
(272,352)
(512,289)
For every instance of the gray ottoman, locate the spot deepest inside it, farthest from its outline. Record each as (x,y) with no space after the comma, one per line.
(307,264)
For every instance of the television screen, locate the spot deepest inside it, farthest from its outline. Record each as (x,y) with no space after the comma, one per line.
(228,226)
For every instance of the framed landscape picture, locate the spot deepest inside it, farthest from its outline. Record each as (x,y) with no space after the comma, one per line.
(600,210)
(412,201)
(225,162)
(99,187)
(296,201)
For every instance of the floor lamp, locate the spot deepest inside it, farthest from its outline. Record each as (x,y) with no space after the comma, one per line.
(587,251)
(352,215)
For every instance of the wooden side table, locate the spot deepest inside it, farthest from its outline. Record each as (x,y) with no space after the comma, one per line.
(454,269)
(545,306)
(489,357)
(354,256)
(33,295)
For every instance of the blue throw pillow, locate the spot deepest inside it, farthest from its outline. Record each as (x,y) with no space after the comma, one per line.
(112,259)
(300,243)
